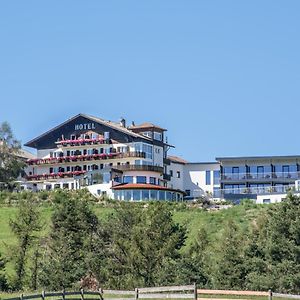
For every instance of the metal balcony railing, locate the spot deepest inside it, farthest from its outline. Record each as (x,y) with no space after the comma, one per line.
(255,176)
(255,190)
(128,167)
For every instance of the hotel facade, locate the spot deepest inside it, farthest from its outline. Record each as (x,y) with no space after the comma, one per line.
(131,163)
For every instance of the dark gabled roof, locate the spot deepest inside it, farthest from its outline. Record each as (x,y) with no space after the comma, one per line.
(95,119)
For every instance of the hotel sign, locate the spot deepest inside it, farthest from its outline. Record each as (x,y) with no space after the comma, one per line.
(84,126)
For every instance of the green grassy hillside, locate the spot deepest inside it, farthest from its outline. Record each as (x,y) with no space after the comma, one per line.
(194,218)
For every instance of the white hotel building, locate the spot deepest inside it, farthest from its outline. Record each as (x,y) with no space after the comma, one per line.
(132,163)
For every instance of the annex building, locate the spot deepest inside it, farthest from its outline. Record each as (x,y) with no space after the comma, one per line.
(132,163)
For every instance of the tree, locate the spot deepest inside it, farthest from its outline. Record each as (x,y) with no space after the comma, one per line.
(26,227)
(144,243)
(11,164)
(194,266)
(273,253)
(3,281)
(67,251)
(229,270)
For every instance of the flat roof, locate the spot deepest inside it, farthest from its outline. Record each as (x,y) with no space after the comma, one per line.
(229,158)
(203,163)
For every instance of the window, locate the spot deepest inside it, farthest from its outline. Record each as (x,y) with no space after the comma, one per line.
(235,172)
(260,172)
(216,175)
(157,136)
(106,177)
(178,174)
(171,173)
(161,195)
(127,179)
(127,195)
(140,179)
(142,147)
(145,194)
(136,195)
(153,194)
(65,186)
(266,201)
(147,133)
(216,193)
(188,192)
(152,180)
(117,179)
(207,178)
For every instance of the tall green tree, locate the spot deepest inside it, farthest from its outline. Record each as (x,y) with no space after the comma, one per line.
(67,251)
(194,265)
(273,252)
(26,226)
(144,243)
(11,164)
(229,270)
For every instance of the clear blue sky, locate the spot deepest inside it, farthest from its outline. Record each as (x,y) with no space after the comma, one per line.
(222,76)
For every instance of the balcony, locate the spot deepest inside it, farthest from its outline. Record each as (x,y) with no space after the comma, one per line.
(92,157)
(54,175)
(260,176)
(128,167)
(246,191)
(167,177)
(83,142)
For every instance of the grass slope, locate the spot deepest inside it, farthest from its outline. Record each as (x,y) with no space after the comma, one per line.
(192,218)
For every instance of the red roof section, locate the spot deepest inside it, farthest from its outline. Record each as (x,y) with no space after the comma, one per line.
(177,159)
(127,186)
(147,125)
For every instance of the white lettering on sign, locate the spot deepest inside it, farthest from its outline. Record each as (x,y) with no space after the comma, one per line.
(85,126)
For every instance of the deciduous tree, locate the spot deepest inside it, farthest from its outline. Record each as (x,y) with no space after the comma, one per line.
(11,164)
(26,227)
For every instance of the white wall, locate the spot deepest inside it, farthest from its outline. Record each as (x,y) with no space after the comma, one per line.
(194,178)
(98,189)
(175,182)
(273,198)
(158,156)
(44,152)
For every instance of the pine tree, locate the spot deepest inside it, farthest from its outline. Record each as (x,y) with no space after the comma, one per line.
(229,270)
(273,253)
(144,243)
(65,255)
(194,266)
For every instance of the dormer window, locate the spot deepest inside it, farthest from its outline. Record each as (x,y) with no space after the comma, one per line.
(147,133)
(158,136)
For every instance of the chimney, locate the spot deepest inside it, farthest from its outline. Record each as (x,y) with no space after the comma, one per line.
(132,123)
(122,122)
